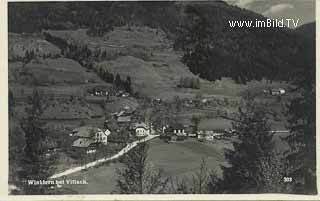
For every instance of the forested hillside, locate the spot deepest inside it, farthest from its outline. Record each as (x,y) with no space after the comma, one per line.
(211,48)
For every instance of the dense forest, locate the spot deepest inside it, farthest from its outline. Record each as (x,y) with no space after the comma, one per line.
(211,48)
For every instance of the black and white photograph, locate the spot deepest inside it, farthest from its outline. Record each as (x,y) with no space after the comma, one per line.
(162,97)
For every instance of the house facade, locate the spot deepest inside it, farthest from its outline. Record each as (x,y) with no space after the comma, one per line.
(141,129)
(100,91)
(178,129)
(86,136)
(174,132)
(209,135)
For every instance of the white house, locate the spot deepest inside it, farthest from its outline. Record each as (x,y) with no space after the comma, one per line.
(209,135)
(178,129)
(89,135)
(141,129)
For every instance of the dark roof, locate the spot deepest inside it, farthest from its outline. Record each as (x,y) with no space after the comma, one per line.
(101,88)
(177,126)
(85,131)
(140,125)
(124,119)
(83,142)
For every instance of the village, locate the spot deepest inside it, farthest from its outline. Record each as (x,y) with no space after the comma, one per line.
(130,123)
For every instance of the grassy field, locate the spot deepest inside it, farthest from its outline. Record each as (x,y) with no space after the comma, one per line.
(101,180)
(214,123)
(20,43)
(147,56)
(180,160)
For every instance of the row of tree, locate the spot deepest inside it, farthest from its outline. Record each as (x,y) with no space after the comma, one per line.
(116,80)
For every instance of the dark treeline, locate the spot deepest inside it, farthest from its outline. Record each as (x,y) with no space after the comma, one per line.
(211,48)
(124,84)
(99,17)
(214,50)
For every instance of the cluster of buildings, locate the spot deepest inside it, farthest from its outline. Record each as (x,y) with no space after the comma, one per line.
(178,132)
(104,91)
(275,92)
(89,138)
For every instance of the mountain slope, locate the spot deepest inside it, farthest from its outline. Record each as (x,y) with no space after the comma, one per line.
(211,48)
(307,30)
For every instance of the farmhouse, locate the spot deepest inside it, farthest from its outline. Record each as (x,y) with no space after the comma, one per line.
(174,132)
(87,136)
(191,130)
(178,129)
(141,129)
(275,92)
(124,119)
(98,91)
(209,135)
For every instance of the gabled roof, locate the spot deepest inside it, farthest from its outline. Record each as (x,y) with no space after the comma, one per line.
(101,88)
(83,142)
(140,125)
(86,131)
(124,119)
(177,126)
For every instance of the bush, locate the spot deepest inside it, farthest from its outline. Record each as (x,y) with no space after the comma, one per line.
(189,82)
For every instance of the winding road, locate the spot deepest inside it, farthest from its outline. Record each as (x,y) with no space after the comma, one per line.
(103,160)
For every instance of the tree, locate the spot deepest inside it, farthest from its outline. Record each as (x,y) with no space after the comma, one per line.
(203,181)
(118,81)
(273,170)
(101,72)
(177,104)
(111,78)
(36,164)
(195,83)
(11,102)
(195,120)
(301,115)
(200,179)
(178,186)
(195,39)
(138,176)
(255,144)
(128,84)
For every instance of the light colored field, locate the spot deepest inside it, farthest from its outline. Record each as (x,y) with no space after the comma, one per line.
(20,43)
(60,71)
(214,123)
(177,160)
(101,180)
(147,56)
(182,159)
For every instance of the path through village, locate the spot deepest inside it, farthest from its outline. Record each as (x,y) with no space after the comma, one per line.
(103,160)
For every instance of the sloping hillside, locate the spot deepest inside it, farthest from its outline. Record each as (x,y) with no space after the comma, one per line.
(143,53)
(240,53)
(19,44)
(58,71)
(307,30)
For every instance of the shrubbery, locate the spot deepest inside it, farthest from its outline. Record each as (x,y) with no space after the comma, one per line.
(189,82)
